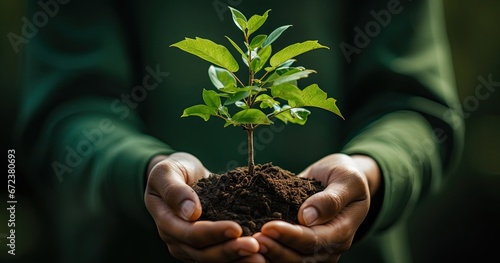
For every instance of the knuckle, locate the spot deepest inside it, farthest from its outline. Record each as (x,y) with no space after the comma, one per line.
(335,201)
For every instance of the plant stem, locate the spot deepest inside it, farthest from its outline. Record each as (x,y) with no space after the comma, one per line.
(251,162)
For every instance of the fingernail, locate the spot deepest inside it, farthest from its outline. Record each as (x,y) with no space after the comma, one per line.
(187,209)
(244,253)
(310,215)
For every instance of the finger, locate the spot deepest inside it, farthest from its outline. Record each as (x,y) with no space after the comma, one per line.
(178,197)
(335,236)
(277,252)
(206,233)
(167,181)
(345,185)
(190,166)
(299,238)
(198,234)
(274,251)
(237,250)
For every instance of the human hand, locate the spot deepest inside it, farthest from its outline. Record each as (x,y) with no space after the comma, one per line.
(329,219)
(175,207)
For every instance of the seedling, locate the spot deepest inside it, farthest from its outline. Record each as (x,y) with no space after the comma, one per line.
(271,92)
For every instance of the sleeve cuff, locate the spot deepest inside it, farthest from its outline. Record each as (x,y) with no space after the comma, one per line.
(403,145)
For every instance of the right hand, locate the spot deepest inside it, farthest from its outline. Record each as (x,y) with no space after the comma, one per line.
(175,207)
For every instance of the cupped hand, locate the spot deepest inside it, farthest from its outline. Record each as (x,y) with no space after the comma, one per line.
(175,207)
(329,219)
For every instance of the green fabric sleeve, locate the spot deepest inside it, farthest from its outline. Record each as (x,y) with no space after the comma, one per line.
(401,102)
(76,130)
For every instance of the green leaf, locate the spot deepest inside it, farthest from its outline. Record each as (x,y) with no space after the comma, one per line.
(274,35)
(241,104)
(239,19)
(313,96)
(221,77)
(224,112)
(264,54)
(255,63)
(250,116)
(266,101)
(287,92)
(282,72)
(211,98)
(284,116)
(237,96)
(300,114)
(233,89)
(293,115)
(294,76)
(285,64)
(257,89)
(235,46)
(202,111)
(293,51)
(257,41)
(253,54)
(209,51)
(256,21)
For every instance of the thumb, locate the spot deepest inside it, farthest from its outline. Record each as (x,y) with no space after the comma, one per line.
(183,200)
(170,179)
(320,208)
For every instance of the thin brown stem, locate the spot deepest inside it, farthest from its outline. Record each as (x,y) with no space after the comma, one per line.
(263,76)
(251,162)
(237,79)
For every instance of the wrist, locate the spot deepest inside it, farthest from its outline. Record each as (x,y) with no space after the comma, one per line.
(155,160)
(371,171)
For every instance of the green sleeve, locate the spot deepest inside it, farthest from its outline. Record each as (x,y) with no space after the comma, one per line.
(401,102)
(76,130)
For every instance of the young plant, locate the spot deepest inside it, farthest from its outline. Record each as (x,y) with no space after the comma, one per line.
(270,92)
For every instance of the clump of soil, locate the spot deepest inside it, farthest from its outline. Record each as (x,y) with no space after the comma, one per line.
(272,193)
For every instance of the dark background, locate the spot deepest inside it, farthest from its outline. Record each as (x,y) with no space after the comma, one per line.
(460,223)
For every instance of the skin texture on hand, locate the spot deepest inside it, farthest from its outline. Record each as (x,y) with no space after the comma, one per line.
(329,219)
(175,207)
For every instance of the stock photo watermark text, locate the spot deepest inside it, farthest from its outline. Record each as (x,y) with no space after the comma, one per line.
(11,201)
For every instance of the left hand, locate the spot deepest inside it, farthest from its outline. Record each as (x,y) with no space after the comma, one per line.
(167,191)
(329,219)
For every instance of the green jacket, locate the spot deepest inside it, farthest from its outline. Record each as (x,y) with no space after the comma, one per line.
(103,94)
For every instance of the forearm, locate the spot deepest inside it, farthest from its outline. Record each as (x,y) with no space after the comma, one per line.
(407,152)
(97,154)
(75,130)
(400,106)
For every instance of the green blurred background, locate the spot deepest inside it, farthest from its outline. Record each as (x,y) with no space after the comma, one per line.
(456,224)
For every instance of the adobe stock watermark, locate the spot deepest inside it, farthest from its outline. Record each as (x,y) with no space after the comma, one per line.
(30,28)
(222,7)
(371,29)
(93,138)
(418,155)
(483,91)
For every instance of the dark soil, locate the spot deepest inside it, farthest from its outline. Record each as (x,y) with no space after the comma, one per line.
(271,194)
